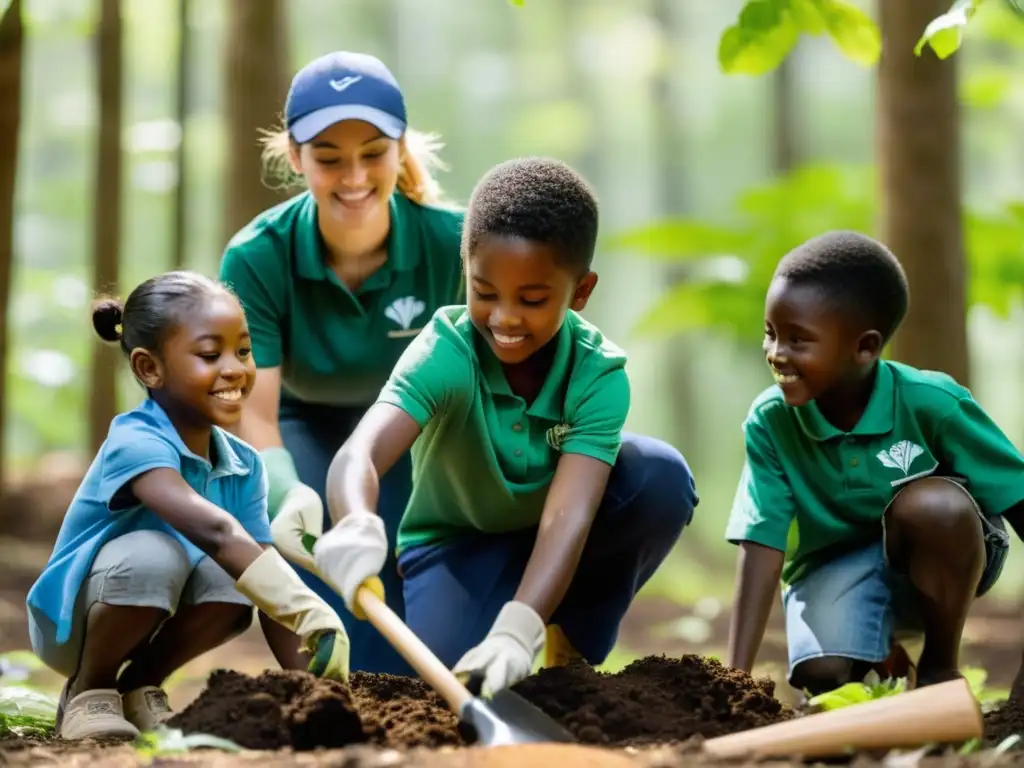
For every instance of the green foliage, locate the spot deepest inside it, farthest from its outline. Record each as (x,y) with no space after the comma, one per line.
(856,693)
(724,268)
(945,33)
(767,30)
(727,266)
(166,741)
(24,712)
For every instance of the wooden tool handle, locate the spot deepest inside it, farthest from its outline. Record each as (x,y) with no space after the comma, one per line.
(413,650)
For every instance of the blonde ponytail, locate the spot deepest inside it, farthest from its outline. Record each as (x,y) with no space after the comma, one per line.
(419,153)
(419,158)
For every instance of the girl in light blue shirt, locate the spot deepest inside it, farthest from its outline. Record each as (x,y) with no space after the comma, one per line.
(164,549)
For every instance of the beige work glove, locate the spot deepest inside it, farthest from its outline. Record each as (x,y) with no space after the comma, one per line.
(276,589)
(351,555)
(298,523)
(506,655)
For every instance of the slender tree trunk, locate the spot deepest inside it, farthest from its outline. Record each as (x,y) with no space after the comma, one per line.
(179,246)
(785,141)
(919,161)
(106,212)
(257,77)
(11,53)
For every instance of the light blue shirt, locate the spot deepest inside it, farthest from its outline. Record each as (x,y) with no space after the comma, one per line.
(104,508)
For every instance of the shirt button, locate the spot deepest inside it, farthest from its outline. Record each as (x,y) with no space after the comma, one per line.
(517,427)
(519,452)
(854,462)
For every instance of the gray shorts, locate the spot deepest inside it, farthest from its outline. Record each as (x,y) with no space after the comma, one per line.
(141,568)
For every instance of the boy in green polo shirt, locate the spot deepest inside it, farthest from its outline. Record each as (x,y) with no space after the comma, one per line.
(875,490)
(529,507)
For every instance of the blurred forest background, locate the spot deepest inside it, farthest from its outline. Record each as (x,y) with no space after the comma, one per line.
(128,146)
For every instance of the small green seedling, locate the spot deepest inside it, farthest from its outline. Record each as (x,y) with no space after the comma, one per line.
(856,693)
(168,741)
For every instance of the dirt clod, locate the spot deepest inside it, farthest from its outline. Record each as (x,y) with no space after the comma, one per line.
(277,709)
(295,709)
(1006,721)
(654,700)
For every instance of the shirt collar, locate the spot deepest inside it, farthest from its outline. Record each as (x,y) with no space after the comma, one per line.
(879,416)
(550,401)
(228,462)
(404,243)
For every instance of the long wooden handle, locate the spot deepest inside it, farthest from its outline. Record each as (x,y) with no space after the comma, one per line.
(413,650)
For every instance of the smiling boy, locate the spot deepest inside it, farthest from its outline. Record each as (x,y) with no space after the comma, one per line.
(533,518)
(875,490)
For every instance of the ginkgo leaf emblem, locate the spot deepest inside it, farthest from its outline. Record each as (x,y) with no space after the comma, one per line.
(901,456)
(403,311)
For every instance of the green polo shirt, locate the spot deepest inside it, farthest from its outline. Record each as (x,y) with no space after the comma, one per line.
(486,457)
(816,492)
(336,346)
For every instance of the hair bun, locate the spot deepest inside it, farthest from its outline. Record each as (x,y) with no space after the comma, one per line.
(106,318)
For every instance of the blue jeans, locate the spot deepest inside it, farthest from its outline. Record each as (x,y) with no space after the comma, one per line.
(855,605)
(454,590)
(313,434)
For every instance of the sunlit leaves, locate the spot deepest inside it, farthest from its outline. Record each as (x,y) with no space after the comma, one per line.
(767,30)
(945,33)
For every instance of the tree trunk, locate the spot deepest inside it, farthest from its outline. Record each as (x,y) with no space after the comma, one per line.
(919,163)
(11,50)
(178,236)
(785,154)
(106,212)
(257,77)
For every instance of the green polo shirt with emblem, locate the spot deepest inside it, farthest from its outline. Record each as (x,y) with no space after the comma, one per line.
(816,492)
(336,346)
(485,458)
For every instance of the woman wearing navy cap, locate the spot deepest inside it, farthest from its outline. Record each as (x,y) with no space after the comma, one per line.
(335,283)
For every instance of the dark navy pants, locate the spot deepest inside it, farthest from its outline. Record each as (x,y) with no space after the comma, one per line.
(454,590)
(313,434)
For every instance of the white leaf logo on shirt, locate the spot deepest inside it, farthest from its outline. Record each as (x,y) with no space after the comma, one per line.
(901,456)
(404,311)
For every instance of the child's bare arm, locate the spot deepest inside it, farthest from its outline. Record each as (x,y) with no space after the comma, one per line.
(572,501)
(217,533)
(377,442)
(757,577)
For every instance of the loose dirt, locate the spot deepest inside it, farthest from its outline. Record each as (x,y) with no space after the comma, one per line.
(654,700)
(1006,721)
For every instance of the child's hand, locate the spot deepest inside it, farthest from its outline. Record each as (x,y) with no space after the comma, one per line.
(506,655)
(298,523)
(351,552)
(276,589)
(332,656)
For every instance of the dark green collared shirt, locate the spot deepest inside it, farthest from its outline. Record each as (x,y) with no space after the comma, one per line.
(485,459)
(337,346)
(815,492)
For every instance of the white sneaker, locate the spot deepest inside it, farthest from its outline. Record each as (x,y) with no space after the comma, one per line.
(93,714)
(147,708)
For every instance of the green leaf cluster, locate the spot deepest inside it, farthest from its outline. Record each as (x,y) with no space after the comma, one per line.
(721,270)
(856,693)
(767,30)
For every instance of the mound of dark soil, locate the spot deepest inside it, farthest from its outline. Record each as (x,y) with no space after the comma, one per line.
(1006,721)
(276,709)
(295,709)
(654,700)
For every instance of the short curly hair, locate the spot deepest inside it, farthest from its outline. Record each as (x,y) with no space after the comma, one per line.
(857,274)
(537,199)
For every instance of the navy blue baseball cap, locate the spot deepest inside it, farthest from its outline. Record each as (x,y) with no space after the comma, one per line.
(344,86)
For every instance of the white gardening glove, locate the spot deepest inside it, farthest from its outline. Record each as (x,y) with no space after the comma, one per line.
(276,589)
(350,553)
(507,654)
(299,522)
